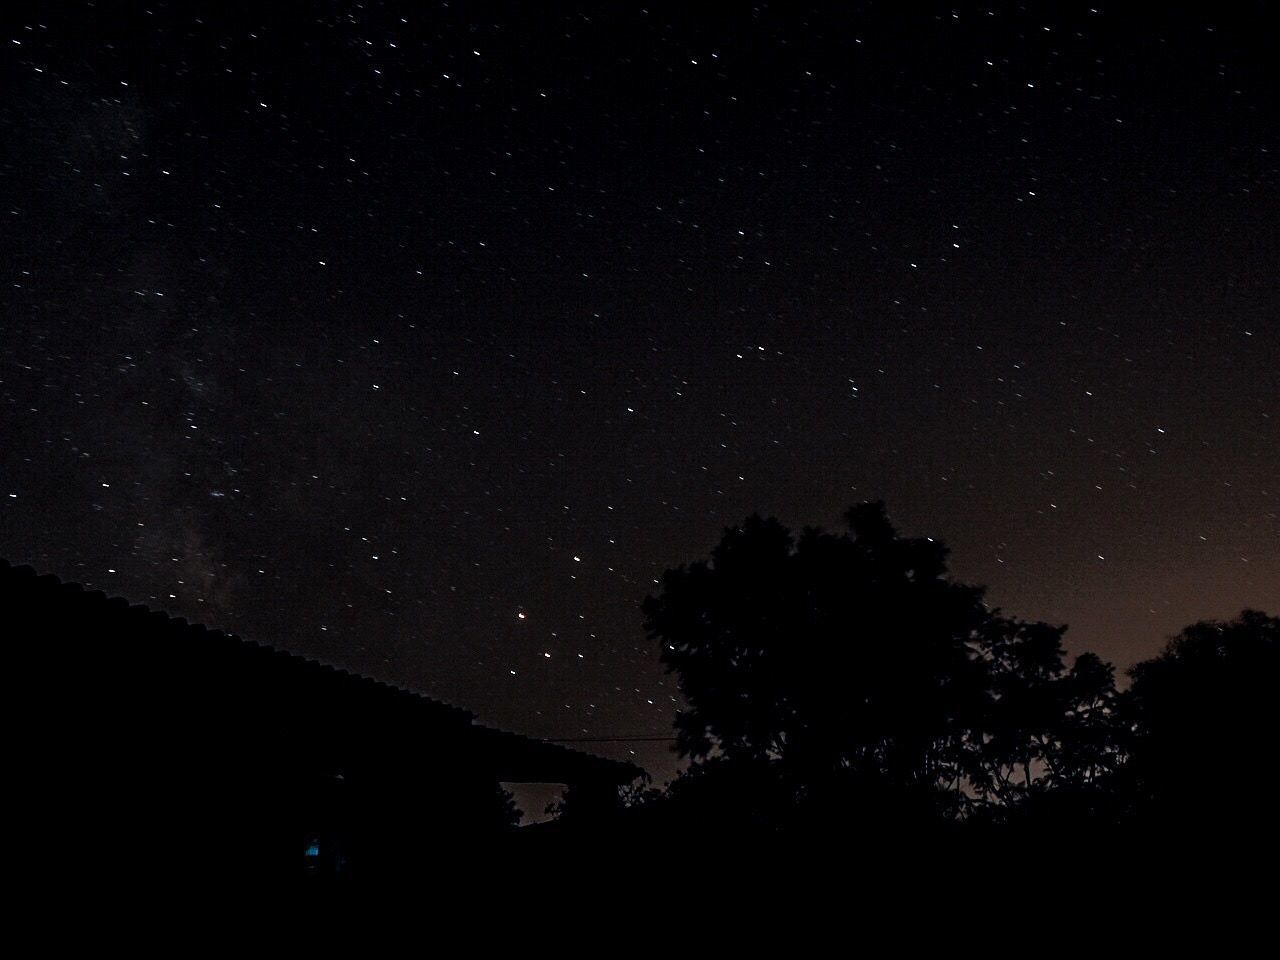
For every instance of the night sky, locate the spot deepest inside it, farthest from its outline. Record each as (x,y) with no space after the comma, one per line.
(423,338)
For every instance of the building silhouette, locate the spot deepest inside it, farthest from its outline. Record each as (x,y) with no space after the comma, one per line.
(146,745)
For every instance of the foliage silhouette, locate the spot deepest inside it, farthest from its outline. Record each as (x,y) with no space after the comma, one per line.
(1049,733)
(842,663)
(1205,725)
(839,682)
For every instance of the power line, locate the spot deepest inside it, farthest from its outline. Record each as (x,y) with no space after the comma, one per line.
(609,740)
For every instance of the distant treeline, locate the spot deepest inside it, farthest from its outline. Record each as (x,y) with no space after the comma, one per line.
(844,683)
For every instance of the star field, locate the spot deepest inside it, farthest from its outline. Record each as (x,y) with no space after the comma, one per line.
(423,338)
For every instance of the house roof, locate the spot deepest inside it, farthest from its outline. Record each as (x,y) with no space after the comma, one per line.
(517,758)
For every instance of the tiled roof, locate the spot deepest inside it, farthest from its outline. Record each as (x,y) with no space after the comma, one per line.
(520,758)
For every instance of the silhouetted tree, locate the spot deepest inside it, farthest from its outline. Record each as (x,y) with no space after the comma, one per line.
(1048,730)
(840,662)
(1092,737)
(1206,723)
(1015,740)
(580,808)
(507,814)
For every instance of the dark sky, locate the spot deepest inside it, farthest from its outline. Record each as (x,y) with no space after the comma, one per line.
(422,338)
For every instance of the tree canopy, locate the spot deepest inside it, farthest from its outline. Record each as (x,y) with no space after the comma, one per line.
(1206,723)
(852,665)
(845,681)
(828,653)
